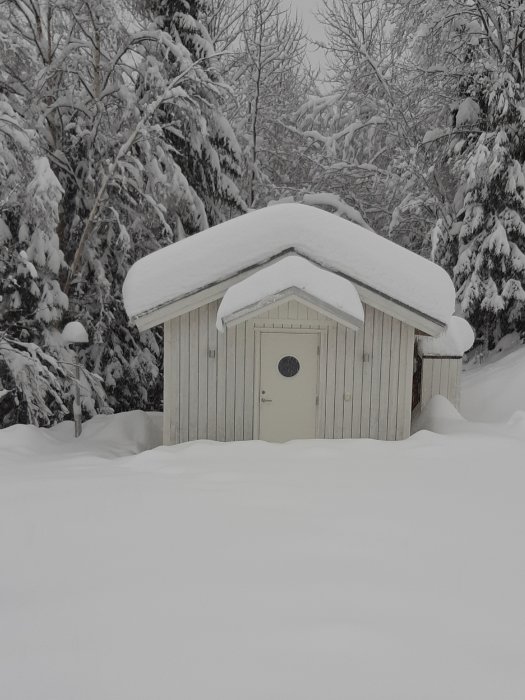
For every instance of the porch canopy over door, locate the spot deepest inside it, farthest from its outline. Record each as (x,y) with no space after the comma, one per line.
(292,279)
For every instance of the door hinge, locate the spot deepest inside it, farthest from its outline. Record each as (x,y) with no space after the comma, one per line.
(317,401)
(318,350)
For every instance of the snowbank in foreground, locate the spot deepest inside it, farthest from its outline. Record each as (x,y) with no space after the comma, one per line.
(250,571)
(103,437)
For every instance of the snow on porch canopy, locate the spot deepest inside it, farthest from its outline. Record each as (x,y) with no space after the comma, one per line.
(292,278)
(240,245)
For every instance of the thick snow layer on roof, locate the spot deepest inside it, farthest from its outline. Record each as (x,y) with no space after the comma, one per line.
(456,340)
(268,284)
(222,251)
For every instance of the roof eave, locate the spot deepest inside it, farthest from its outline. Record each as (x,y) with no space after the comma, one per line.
(215,290)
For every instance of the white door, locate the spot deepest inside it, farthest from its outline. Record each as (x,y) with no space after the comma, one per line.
(288,388)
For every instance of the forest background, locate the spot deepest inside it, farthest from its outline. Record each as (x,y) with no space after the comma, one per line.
(126,125)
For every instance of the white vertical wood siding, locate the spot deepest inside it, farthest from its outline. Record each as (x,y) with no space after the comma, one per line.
(365,383)
(440,375)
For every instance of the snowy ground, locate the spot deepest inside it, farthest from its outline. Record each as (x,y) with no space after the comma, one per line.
(494,391)
(308,571)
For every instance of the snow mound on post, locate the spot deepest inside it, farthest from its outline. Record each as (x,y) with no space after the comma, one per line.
(271,283)
(74,332)
(454,342)
(223,251)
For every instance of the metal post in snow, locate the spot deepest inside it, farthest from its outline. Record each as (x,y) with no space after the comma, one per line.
(75,335)
(77,408)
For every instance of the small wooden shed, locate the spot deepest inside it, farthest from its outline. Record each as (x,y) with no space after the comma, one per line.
(290,322)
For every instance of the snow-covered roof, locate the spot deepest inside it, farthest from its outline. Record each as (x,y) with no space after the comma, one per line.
(454,342)
(296,277)
(239,246)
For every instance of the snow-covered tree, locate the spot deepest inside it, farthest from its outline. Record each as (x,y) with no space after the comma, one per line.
(127,115)
(224,20)
(35,368)
(484,247)
(30,258)
(366,128)
(201,139)
(269,78)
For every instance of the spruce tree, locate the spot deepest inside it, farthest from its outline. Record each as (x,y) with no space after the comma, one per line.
(490,269)
(203,143)
(484,248)
(33,376)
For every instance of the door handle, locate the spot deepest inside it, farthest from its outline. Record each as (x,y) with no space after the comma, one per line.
(263,400)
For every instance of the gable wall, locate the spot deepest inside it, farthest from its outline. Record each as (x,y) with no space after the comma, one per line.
(441,375)
(209,376)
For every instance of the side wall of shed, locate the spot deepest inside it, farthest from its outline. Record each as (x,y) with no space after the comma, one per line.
(365,384)
(440,375)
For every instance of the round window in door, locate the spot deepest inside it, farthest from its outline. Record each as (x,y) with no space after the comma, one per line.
(288,366)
